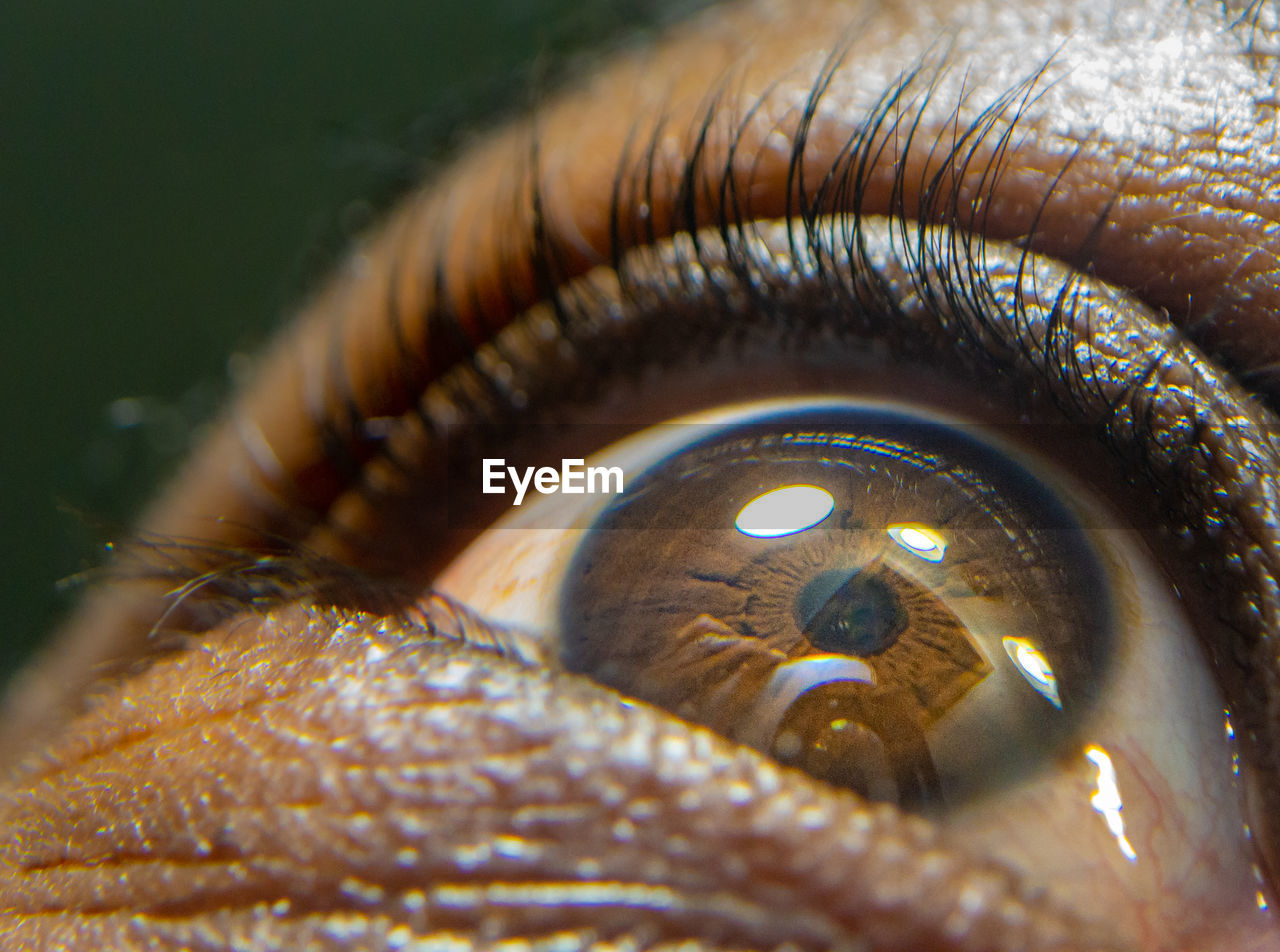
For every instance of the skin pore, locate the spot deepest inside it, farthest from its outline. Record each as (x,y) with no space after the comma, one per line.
(304,772)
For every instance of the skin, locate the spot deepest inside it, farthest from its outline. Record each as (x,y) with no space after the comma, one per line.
(314,774)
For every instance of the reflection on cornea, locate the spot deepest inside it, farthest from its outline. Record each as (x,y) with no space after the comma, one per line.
(785,511)
(1231,739)
(789,682)
(1107,800)
(920,540)
(1034,667)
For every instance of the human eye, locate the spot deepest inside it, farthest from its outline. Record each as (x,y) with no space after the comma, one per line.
(338,766)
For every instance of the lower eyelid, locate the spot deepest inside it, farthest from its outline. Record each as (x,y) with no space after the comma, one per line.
(293,803)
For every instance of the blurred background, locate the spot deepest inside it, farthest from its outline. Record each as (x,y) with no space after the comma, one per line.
(173,178)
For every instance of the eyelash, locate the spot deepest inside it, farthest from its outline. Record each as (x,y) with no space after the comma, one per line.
(211,582)
(477,397)
(280,568)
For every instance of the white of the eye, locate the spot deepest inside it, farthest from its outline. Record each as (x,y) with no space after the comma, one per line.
(785,511)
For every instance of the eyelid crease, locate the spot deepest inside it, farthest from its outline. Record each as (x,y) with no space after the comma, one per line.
(431,304)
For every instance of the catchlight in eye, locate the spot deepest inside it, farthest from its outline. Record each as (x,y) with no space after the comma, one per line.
(784,511)
(1031,662)
(921,541)
(838,589)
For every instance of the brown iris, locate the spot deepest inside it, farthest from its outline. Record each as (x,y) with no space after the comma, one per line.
(862,643)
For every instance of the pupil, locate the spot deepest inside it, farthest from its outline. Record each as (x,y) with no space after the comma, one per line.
(862,616)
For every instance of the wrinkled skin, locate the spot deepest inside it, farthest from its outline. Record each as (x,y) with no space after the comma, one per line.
(306,774)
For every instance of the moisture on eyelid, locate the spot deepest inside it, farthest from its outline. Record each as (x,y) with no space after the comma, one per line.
(1140,794)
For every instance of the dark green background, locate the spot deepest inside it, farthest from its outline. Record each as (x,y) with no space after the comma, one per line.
(173,176)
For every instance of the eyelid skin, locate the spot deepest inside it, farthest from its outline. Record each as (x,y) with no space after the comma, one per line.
(1169,195)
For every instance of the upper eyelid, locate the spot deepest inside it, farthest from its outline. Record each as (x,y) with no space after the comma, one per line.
(420,311)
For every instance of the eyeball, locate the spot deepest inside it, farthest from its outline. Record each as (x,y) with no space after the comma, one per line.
(909,607)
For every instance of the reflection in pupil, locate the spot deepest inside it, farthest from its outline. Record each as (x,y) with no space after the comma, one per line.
(861,617)
(862,737)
